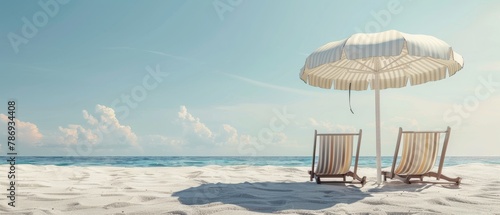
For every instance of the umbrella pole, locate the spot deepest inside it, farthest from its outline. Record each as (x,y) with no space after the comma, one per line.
(377,128)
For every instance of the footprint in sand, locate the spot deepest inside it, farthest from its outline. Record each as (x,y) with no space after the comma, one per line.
(177,213)
(194,174)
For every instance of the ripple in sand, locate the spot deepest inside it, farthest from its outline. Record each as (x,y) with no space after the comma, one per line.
(439,201)
(85,175)
(110,194)
(128,188)
(31,185)
(143,199)
(147,198)
(73,206)
(461,200)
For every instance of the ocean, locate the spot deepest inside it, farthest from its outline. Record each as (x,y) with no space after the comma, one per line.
(178,161)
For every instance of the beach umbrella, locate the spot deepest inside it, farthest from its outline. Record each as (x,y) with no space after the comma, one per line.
(389,59)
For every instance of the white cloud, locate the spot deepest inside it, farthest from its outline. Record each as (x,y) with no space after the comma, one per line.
(74,134)
(280,138)
(272,86)
(90,119)
(161,140)
(229,136)
(103,130)
(327,126)
(27,132)
(226,135)
(194,124)
(109,124)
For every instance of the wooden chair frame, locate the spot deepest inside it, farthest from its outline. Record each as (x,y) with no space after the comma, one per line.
(352,174)
(438,175)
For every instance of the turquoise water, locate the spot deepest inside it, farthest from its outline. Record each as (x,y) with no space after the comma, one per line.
(364,161)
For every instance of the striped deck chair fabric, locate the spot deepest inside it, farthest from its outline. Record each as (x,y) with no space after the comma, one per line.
(419,153)
(335,154)
(335,157)
(418,156)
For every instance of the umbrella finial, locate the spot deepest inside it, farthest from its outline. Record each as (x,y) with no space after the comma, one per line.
(350,98)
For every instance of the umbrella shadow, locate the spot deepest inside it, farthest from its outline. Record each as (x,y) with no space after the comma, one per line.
(271,197)
(394,186)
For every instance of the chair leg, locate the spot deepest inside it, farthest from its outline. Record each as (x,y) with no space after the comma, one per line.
(407,180)
(355,176)
(457,180)
(350,174)
(318,180)
(384,173)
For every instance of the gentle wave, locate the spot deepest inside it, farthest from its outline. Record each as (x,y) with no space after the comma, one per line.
(176,161)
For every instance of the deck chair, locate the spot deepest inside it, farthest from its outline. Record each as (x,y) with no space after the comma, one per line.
(335,157)
(419,154)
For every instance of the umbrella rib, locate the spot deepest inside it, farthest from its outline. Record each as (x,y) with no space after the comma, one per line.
(405,64)
(440,63)
(373,70)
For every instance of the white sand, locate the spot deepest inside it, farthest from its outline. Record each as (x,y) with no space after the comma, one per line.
(241,190)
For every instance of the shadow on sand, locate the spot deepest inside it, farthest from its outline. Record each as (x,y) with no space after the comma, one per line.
(273,196)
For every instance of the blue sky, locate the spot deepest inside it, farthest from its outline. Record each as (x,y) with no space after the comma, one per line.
(221,77)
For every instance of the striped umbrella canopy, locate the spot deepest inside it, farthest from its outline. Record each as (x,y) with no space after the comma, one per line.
(389,59)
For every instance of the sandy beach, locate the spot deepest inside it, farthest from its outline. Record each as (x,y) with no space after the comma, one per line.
(241,190)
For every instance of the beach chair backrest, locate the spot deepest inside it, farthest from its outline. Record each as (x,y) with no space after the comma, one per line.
(419,152)
(335,153)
